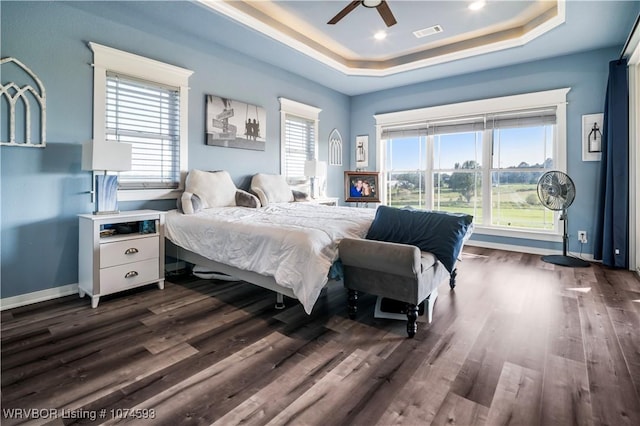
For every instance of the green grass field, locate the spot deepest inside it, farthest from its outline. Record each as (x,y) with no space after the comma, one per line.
(515,205)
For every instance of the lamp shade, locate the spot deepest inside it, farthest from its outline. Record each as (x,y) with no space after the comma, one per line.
(109,156)
(315,168)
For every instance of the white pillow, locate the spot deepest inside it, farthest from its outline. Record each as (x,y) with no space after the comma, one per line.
(271,189)
(215,189)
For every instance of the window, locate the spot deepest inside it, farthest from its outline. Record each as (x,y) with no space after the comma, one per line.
(300,142)
(146,116)
(522,152)
(483,158)
(143,102)
(457,176)
(406,168)
(299,130)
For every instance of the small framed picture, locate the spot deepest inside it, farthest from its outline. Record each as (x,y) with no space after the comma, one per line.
(592,137)
(362,151)
(361,187)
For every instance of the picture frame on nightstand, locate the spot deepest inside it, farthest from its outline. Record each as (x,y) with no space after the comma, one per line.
(361,187)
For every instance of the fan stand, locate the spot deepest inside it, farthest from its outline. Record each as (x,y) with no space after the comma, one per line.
(564,259)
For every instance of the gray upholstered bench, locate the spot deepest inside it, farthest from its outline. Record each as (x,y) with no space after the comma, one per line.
(396,271)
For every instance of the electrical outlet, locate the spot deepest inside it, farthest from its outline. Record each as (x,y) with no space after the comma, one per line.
(582,237)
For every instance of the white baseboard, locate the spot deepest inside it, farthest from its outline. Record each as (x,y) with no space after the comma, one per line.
(525,249)
(37,296)
(54,293)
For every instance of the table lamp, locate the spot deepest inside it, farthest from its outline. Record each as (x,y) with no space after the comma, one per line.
(317,171)
(100,155)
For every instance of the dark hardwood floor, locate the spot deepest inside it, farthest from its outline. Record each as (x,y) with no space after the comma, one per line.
(518,342)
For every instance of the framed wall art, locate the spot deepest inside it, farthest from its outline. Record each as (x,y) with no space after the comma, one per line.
(592,137)
(235,124)
(362,151)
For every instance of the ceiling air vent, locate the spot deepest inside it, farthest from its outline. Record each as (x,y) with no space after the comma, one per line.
(428,31)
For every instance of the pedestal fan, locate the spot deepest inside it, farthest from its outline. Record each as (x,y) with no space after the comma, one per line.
(556,192)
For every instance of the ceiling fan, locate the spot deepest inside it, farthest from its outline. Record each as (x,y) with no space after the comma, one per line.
(381,5)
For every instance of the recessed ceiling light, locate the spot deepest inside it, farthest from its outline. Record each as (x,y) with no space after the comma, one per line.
(380,35)
(477,5)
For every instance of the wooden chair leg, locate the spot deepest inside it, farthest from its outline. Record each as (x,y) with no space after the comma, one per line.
(352,303)
(452,279)
(412,319)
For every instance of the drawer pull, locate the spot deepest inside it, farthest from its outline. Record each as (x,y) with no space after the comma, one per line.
(131,274)
(131,250)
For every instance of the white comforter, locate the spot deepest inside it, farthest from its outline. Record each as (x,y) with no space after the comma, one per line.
(296,243)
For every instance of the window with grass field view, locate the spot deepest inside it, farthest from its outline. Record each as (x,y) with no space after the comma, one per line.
(485,165)
(520,157)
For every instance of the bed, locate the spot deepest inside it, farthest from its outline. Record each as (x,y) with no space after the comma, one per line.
(274,239)
(288,247)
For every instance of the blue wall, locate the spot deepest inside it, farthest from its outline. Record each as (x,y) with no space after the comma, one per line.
(586,75)
(43,190)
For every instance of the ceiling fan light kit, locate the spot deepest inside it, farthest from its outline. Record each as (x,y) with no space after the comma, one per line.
(380,5)
(371,3)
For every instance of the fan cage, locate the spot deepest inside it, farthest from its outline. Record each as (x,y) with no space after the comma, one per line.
(556,190)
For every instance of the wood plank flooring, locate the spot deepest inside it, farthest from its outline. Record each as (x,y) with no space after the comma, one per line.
(518,342)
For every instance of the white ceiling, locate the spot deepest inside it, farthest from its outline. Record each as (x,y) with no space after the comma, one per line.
(350,47)
(344,56)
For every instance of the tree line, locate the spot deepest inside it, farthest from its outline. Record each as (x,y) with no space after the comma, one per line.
(467,184)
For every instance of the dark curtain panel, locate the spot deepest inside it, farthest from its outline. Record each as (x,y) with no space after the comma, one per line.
(611,243)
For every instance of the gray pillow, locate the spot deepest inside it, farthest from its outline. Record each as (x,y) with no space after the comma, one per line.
(244,199)
(300,196)
(189,203)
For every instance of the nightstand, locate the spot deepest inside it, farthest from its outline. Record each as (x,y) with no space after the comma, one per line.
(120,251)
(327,201)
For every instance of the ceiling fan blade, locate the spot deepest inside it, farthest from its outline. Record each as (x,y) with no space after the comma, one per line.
(344,12)
(385,13)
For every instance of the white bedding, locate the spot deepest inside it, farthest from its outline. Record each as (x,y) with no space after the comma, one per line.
(296,243)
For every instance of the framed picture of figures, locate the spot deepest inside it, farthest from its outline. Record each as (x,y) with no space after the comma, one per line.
(361,187)
(235,124)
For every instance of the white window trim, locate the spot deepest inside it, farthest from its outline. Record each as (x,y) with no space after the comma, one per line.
(287,106)
(556,97)
(110,59)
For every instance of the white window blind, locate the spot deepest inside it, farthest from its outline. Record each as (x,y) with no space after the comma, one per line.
(500,120)
(146,115)
(527,118)
(299,145)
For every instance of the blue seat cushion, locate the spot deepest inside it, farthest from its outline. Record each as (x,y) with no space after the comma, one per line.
(440,233)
